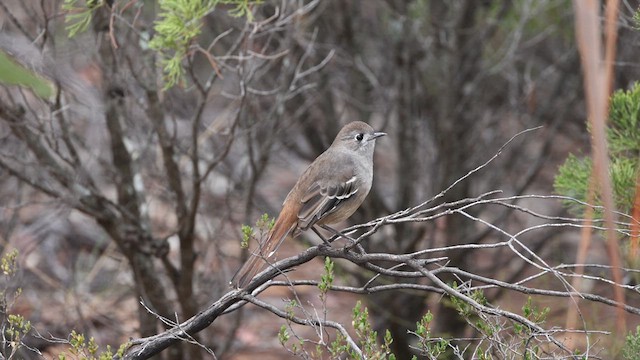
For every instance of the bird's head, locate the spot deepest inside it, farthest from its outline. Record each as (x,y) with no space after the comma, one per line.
(358,136)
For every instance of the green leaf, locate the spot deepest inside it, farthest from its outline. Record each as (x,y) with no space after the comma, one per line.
(13,73)
(624,123)
(631,349)
(179,24)
(283,335)
(247,235)
(327,277)
(9,263)
(572,180)
(623,135)
(78,16)
(623,175)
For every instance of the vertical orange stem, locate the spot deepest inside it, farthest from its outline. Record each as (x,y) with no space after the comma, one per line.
(585,243)
(598,75)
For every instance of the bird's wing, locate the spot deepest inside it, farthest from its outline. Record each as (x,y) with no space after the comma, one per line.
(319,200)
(323,198)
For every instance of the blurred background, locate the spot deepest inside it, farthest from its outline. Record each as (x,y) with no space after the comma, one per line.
(116,190)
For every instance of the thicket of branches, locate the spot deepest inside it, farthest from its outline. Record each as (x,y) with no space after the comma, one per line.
(123,188)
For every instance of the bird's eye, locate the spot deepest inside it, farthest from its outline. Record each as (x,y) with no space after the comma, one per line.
(359,137)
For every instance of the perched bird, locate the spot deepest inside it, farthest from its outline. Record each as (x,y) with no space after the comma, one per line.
(329,191)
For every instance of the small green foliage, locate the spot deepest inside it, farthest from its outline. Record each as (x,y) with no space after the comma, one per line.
(78,16)
(573,181)
(286,331)
(361,320)
(623,135)
(12,72)
(533,313)
(79,345)
(479,297)
(339,346)
(263,225)
(623,132)
(121,349)
(81,348)
(283,335)
(290,307)
(424,325)
(486,328)
(18,327)
(76,340)
(265,222)
(179,25)
(464,309)
(247,235)
(386,347)
(9,263)
(242,7)
(536,315)
(327,278)
(636,19)
(519,328)
(481,354)
(319,351)
(368,337)
(92,347)
(429,346)
(631,349)
(623,176)
(14,326)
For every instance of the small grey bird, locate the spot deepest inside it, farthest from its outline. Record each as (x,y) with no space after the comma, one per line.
(329,191)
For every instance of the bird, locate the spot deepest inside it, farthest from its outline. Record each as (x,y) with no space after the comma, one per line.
(328,192)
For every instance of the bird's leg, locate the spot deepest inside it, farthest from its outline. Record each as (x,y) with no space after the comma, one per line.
(339,234)
(320,235)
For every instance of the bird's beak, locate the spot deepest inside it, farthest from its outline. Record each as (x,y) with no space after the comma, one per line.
(376,135)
